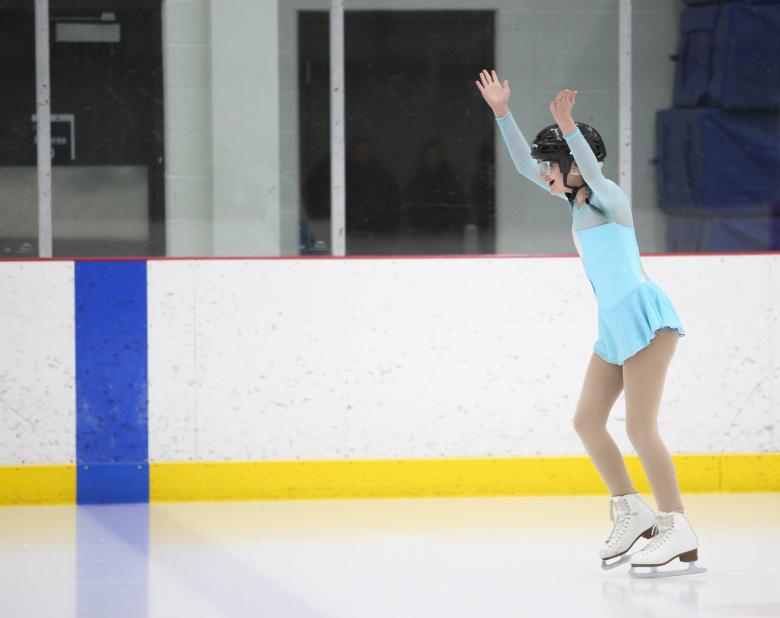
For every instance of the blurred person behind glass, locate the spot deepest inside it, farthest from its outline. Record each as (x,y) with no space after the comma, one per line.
(435,199)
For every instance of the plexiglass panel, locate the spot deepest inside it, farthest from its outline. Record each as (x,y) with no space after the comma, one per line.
(18,180)
(201,128)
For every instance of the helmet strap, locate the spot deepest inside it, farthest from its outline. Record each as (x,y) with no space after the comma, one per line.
(572,196)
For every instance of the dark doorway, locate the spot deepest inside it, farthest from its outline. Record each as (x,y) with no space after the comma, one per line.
(420,154)
(107,125)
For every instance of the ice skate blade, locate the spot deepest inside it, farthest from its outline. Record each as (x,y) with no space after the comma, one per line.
(608,566)
(625,557)
(654,572)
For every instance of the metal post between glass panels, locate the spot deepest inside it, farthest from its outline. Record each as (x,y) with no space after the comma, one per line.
(337,170)
(43,123)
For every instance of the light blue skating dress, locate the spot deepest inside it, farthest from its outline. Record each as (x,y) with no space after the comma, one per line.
(631,307)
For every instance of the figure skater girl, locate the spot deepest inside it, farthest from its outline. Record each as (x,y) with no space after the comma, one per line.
(638,332)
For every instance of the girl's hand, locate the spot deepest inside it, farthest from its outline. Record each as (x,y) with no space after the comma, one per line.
(560,108)
(495,94)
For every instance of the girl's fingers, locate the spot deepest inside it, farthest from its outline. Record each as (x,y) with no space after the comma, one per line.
(565,97)
(491,77)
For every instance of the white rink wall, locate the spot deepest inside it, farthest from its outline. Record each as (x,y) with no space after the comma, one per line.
(426,358)
(391,358)
(37,363)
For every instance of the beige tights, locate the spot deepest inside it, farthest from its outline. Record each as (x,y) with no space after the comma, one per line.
(642,376)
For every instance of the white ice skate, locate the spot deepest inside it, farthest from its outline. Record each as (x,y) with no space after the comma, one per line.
(634,519)
(674,539)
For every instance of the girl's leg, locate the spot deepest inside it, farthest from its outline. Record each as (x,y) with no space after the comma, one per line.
(643,379)
(601,388)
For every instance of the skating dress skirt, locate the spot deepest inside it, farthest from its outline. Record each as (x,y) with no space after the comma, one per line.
(631,308)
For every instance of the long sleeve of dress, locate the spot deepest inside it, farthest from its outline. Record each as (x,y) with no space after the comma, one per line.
(610,195)
(519,150)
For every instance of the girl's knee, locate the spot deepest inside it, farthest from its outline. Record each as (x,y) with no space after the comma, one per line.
(584,424)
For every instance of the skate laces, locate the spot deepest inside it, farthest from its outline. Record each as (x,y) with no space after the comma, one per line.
(662,529)
(623,516)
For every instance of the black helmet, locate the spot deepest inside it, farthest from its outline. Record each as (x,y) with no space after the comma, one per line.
(550,145)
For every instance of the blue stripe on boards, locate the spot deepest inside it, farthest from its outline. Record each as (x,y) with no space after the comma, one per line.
(111,383)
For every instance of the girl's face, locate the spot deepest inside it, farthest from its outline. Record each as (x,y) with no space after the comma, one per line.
(550,172)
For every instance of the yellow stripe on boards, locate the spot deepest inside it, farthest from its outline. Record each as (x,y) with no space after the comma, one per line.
(369,479)
(760,473)
(290,480)
(25,485)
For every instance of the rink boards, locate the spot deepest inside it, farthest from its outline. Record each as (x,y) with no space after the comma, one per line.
(314,378)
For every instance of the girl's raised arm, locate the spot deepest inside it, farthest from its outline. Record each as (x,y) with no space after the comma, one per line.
(612,196)
(560,108)
(520,151)
(497,95)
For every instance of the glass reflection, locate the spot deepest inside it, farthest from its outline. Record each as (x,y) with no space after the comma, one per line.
(193,128)
(106,84)
(112,575)
(419,151)
(18,180)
